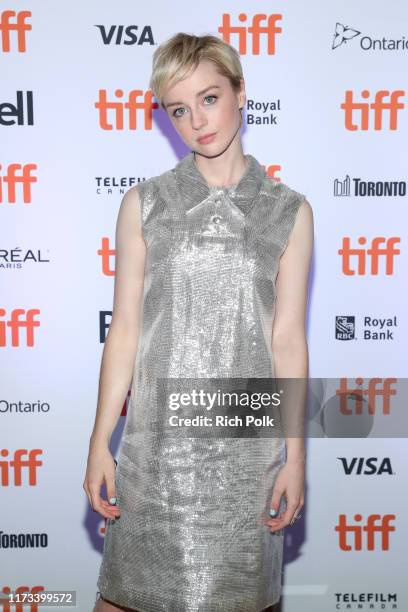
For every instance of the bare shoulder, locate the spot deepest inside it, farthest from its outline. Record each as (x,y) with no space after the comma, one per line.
(306,211)
(130,211)
(305,205)
(303,229)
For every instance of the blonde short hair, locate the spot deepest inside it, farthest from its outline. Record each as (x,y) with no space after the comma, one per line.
(179,55)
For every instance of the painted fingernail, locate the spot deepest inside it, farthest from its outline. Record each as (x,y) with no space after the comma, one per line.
(272,512)
(112,501)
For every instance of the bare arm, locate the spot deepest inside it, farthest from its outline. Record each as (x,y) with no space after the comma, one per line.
(289,346)
(289,343)
(120,349)
(122,339)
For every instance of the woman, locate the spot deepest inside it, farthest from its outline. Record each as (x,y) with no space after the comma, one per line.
(196,524)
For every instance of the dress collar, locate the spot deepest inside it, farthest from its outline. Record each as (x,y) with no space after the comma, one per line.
(194,188)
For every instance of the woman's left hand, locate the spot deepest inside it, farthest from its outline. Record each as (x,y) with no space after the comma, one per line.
(289,482)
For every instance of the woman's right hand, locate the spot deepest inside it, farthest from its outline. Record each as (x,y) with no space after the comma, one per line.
(101,469)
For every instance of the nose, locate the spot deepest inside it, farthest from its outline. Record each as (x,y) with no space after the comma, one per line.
(198,119)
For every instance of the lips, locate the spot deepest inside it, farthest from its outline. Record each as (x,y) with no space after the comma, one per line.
(206,138)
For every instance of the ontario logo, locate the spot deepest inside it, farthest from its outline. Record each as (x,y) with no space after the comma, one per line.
(344,34)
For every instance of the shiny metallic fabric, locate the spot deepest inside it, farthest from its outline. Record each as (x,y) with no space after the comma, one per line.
(190,537)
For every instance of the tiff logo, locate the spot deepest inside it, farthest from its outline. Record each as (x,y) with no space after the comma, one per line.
(376,108)
(270,29)
(355,399)
(106,252)
(364,535)
(126,107)
(9,23)
(16,174)
(15,324)
(373,253)
(14,467)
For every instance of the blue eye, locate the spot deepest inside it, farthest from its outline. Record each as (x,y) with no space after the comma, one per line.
(181,108)
(174,114)
(210,97)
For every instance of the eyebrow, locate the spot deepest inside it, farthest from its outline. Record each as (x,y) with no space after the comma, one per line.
(198,94)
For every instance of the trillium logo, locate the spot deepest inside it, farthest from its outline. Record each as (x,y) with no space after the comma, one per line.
(343,34)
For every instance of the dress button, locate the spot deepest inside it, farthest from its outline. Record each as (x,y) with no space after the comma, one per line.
(215,218)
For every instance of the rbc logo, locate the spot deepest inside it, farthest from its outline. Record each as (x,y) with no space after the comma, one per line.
(345,327)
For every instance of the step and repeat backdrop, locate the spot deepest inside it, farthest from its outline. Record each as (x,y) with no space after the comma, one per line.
(327,114)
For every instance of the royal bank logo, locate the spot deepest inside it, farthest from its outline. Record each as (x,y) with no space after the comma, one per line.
(345,327)
(344,34)
(373,328)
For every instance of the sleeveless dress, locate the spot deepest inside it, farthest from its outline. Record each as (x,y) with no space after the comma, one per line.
(190,536)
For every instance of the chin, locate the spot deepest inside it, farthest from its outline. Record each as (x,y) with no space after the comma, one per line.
(212,149)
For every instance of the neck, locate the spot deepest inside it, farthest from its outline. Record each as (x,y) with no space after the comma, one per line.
(223,170)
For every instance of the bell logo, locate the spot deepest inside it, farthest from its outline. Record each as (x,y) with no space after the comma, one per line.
(363,536)
(18,25)
(125,108)
(17,175)
(20,113)
(377,108)
(270,29)
(373,253)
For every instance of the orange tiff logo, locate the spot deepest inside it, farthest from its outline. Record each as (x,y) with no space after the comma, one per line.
(357,399)
(106,253)
(112,113)
(13,21)
(372,253)
(363,536)
(261,24)
(357,115)
(22,461)
(20,318)
(17,174)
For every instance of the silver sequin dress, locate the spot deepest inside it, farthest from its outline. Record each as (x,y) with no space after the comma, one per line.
(190,536)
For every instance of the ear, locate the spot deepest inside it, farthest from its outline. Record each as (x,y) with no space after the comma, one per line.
(242,95)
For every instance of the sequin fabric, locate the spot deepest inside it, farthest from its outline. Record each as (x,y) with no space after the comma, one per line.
(190,537)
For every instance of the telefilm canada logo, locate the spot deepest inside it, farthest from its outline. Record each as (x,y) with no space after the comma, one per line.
(111,185)
(344,34)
